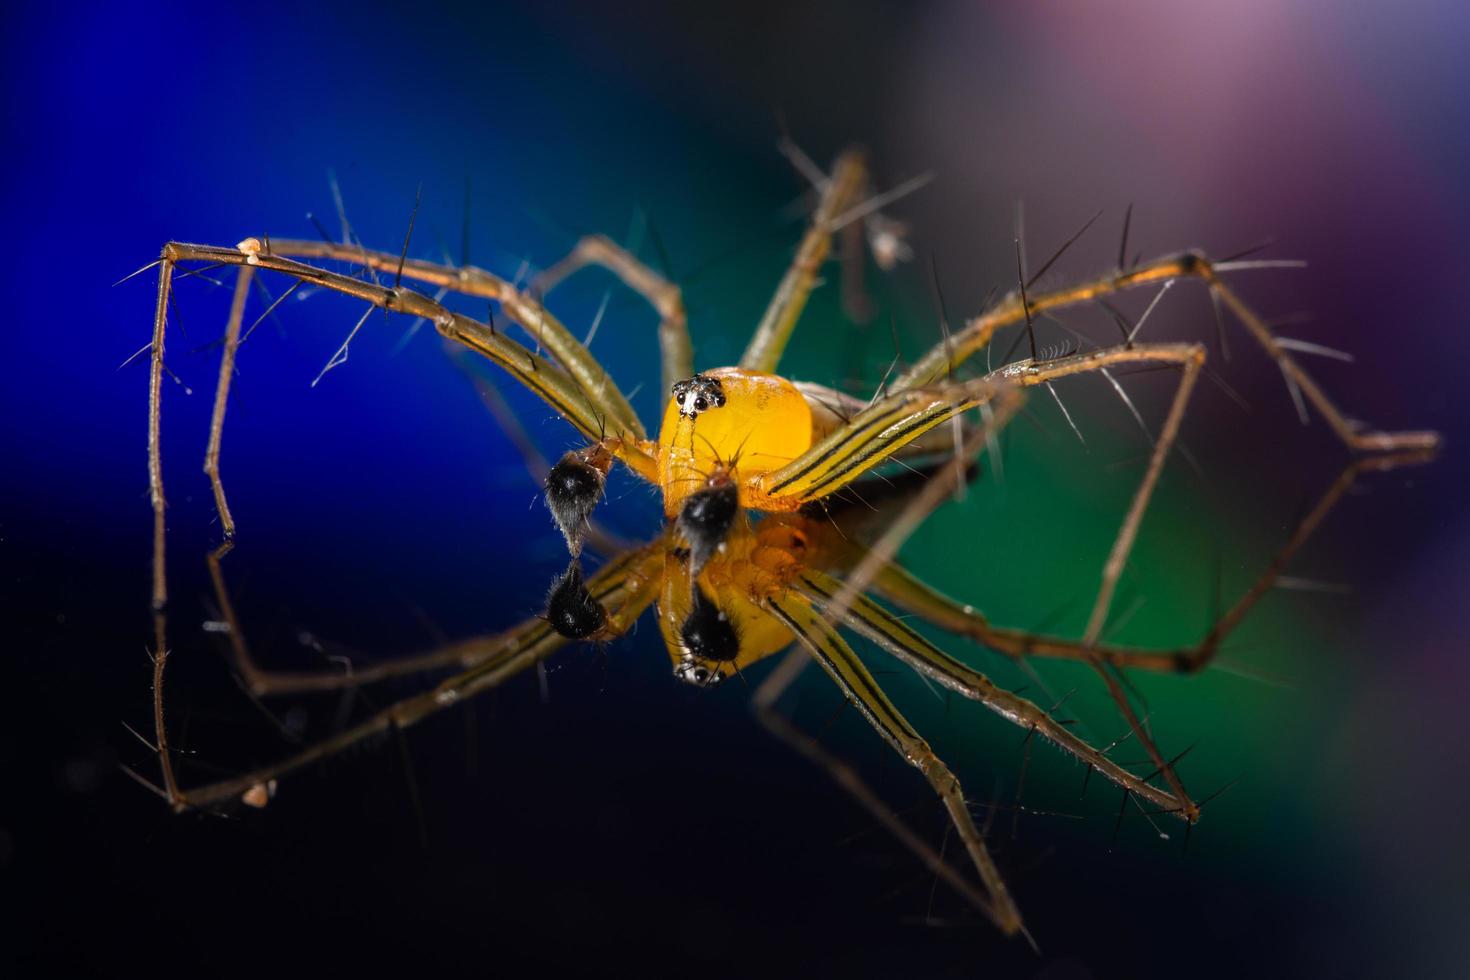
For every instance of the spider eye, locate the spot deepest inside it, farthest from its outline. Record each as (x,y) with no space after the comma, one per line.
(697,674)
(707,634)
(572,489)
(698,394)
(570,608)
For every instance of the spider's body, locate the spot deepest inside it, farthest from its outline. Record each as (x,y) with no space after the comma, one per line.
(726,432)
(756,563)
(751,467)
(761,423)
(755,420)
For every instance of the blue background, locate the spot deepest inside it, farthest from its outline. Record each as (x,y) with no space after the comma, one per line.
(628,819)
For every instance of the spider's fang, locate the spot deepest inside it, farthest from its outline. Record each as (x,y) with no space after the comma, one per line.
(570,608)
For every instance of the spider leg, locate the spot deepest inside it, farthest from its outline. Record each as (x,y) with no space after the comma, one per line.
(878,434)
(605,541)
(848,778)
(155,455)
(828,648)
(1190,358)
(839,193)
(832,408)
(598,410)
(875,434)
(904,590)
(230,348)
(977,333)
(521,306)
(222,397)
(582,393)
(892,634)
(625,586)
(676,354)
(258,681)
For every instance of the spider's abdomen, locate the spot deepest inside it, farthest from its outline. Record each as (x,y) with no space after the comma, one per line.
(747,422)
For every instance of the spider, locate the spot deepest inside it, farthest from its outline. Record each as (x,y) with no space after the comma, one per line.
(760,551)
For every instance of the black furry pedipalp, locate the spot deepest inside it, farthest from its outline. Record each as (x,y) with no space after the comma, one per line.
(570,608)
(573,487)
(705,520)
(707,639)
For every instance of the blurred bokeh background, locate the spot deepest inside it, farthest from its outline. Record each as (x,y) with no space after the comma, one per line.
(621,820)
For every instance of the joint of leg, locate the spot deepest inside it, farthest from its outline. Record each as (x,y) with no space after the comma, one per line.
(592,247)
(669,302)
(922,757)
(1196,263)
(251,249)
(1191,661)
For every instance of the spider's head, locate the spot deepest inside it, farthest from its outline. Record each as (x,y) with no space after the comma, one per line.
(691,671)
(698,394)
(708,644)
(572,610)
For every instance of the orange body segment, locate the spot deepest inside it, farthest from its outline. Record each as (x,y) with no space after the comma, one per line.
(764,423)
(757,562)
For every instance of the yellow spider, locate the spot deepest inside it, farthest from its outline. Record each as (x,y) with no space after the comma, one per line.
(758,551)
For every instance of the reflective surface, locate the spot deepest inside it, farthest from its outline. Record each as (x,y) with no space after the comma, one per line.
(628,817)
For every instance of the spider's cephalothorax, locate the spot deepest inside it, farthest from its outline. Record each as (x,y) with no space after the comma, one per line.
(698,394)
(764,423)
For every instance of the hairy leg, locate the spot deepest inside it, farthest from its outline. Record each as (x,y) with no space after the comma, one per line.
(521,306)
(978,333)
(625,587)
(222,396)
(840,193)
(893,635)
(676,353)
(877,434)
(900,587)
(828,648)
(591,410)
